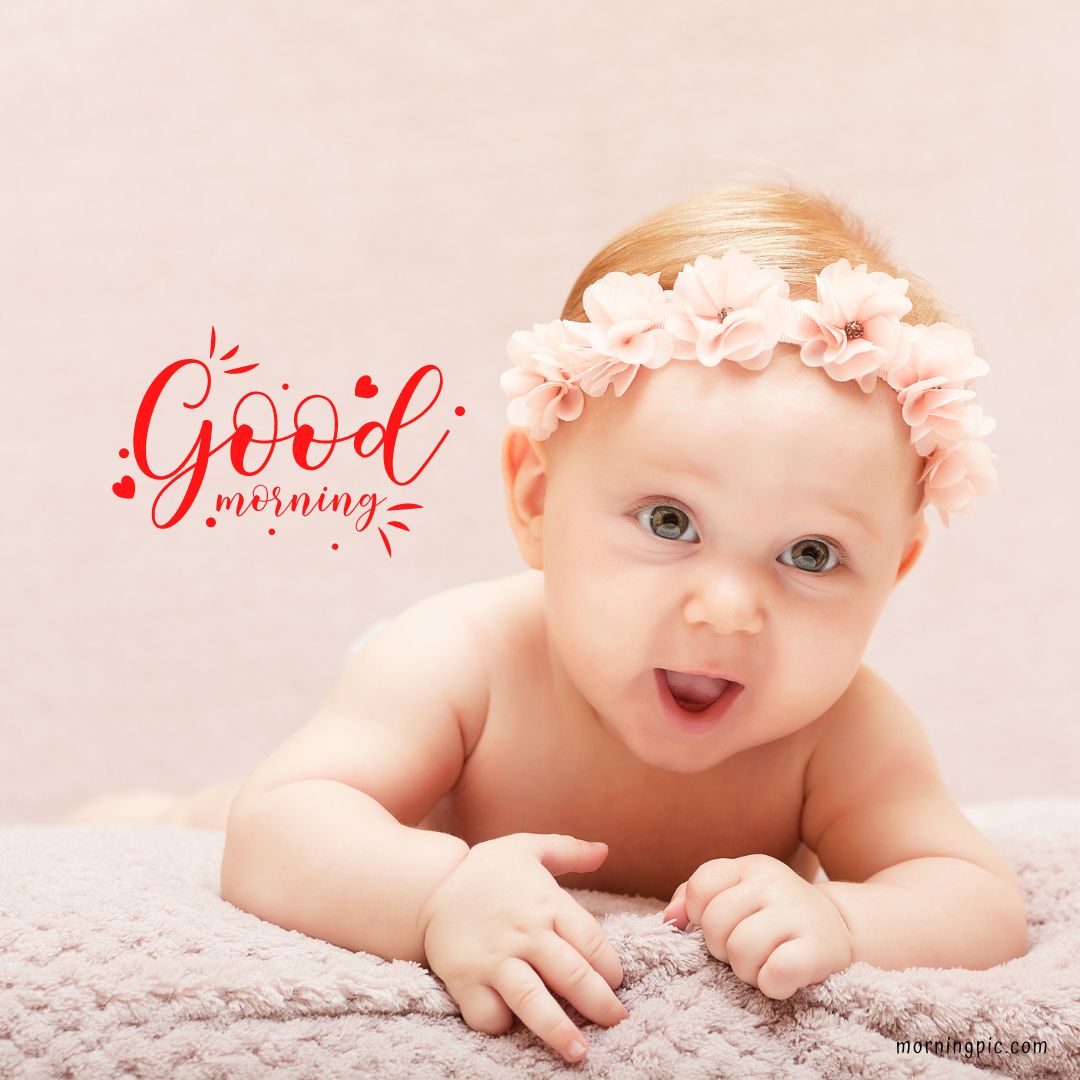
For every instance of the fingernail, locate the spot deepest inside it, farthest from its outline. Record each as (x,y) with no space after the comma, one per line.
(576,1049)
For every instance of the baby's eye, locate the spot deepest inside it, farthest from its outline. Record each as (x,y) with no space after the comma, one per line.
(812,554)
(666,521)
(669,522)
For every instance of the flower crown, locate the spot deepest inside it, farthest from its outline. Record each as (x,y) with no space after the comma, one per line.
(732,309)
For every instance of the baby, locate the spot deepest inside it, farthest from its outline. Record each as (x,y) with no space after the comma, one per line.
(716,472)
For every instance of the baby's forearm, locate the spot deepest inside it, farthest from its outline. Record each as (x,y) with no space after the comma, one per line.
(932,912)
(321,857)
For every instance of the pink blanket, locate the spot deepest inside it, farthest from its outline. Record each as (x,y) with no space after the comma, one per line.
(119,958)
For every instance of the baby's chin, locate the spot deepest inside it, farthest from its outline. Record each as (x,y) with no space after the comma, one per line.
(681,763)
(678,757)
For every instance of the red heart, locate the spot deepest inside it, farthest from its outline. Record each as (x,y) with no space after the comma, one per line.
(365,387)
(124,488)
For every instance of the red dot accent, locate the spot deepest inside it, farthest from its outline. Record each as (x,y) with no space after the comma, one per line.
(460,410)
(284,386)
(271,532)
(124,451)
(334,546)
(210,522)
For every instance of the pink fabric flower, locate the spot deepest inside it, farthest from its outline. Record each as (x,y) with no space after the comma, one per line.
(853,328)
(607,371)
(729,310)
(732,309)
(543,385)
(954,475)
(626,314)
(931,383)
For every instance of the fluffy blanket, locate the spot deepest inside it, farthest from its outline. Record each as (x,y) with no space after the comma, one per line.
(118,958)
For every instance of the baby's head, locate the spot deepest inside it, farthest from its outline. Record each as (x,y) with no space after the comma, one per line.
(726,504)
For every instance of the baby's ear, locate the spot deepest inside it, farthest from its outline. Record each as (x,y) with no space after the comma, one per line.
(913,549)
(524,469)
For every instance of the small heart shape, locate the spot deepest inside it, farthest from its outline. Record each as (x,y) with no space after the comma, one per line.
(365,388)
(125,488)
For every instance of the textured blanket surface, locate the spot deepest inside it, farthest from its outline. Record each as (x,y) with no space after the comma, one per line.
(118,958)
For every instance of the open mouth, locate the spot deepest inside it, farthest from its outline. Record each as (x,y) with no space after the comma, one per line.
(694,693)
(695,703)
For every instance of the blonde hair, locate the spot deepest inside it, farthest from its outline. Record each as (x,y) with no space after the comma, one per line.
(798,231)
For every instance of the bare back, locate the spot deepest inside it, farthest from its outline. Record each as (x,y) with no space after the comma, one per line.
(526,772)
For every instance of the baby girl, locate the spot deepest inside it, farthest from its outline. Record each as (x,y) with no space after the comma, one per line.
(716,473)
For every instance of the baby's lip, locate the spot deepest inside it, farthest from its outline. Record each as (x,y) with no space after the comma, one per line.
(709,673)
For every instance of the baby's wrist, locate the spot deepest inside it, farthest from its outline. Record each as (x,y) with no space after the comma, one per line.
(457,852)
(838,899)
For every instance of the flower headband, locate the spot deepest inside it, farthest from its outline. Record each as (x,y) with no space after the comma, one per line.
(731,309)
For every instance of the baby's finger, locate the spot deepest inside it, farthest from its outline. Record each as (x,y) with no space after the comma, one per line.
(706,881)
(792,965)
(562,854)
(724,914)
(676,908)
(571,976)
(524,991)
(575,925)
(754,939)
(481,1008)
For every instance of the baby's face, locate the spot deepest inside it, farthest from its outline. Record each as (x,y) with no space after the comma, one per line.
(696,523)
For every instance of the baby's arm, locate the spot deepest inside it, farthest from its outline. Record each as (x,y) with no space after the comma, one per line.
(320,837)
(914,880)
(320,840)
(914,883)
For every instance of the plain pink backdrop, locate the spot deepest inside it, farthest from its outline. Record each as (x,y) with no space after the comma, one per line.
(347,188)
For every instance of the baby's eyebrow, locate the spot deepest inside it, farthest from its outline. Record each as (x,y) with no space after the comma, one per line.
(854,515)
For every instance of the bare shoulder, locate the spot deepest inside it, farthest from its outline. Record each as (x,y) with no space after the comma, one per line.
(873,792)
(868,738)
(868,709)
(498,615)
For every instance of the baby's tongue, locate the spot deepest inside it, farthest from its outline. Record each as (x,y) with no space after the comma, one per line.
(696,692)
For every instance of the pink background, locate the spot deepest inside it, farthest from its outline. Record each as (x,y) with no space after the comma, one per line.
(347,188)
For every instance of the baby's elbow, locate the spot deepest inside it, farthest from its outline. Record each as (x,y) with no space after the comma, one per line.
(996,906)
(1015,943)
(1013,920)
(1021,943)
(1020,933)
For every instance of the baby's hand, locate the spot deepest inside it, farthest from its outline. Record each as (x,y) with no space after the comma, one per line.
(500,927)
(772,926)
